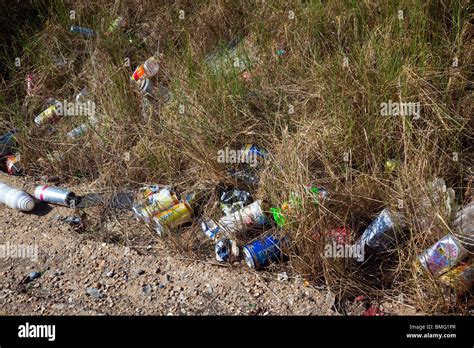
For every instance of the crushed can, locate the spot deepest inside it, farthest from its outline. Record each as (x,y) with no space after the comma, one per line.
(226,250)
(263,251)
(460,278)
(233,200)
(242,220)
(55,195)
(443,255)
(159,201)
(47,116)
(210,228)
(13,165)
(380,234)
(179,214)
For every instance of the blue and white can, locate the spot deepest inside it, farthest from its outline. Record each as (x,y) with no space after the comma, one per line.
(262,252)
(83,31)
(210,228)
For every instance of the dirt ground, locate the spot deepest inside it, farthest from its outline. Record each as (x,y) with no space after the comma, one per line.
(83,275)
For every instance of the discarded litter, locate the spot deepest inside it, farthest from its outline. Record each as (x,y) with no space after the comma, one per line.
(380,234)
(158,201)
(30,277)
(460,278)
(95,293)
(233,200)
(443,255)
(7,144)
(263,251)
(464,226)
(226,250)
(47,116)
(239,221)
(55,195)
(82,31)
(282,277)
(147,70)
(177,215)
(13,165)
(16,199)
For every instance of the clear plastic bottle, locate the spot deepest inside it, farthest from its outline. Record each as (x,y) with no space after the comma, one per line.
(16,199)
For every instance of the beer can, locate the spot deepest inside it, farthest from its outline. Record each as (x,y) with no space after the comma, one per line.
(380,234)
(443,255)
(460,278)
(47,116)
(177,215)
(241,220)
(263,251)
(55,195)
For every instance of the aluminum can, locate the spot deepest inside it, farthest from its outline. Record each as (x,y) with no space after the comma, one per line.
(47,116)
(242,220)
(443,255)
(179,214)
(263,251)
(55,195)
(81,30)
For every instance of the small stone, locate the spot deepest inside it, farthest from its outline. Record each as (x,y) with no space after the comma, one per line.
(161,286)
(209,288)
(93,292)
(140,272)
(168,278)
(146,289)
(110,274)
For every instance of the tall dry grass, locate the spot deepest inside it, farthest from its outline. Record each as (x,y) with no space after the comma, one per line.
(319,120)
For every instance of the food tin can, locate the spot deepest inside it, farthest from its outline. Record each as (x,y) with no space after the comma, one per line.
(177,215)
(380,234)
(55,195)
(263,251)
(443,255)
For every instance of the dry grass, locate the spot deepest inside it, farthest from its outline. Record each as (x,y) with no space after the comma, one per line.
(319,120)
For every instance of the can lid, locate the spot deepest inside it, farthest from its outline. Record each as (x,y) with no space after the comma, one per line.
(248,258)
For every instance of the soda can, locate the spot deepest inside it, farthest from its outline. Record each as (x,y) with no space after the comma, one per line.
(443,255)
(460,278)
(242,220)
(81,30)
(146,86)
(55,195)
(13,166)
(380,234)
(177,215)
(47,116)
(263,251)
(226,249)
(78,131)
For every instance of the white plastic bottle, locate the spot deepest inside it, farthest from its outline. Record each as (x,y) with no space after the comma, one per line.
(16,199)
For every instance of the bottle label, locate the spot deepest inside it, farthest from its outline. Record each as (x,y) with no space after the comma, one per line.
(138,73)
